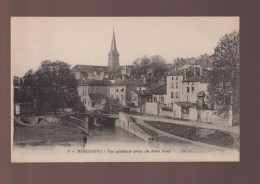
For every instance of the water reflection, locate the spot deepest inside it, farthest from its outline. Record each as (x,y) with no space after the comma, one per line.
(108,133)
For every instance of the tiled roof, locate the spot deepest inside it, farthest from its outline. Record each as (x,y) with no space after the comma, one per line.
(126,83)
(96,83)
(161,90)
(204,79)
(89,68)
(201,79)
(143,92)
(192,79)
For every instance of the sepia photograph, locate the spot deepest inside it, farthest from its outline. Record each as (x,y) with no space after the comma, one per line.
(125,89)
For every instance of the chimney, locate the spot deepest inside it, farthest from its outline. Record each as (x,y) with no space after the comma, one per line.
(184,74)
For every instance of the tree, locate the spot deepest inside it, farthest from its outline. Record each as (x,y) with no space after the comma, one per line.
(142,65)
(224,76)
(53,85)
(113,105)
(158,65)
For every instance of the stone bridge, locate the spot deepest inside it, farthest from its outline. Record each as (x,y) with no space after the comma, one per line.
(97,119)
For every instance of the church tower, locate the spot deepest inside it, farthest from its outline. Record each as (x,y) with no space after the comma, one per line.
(113,56)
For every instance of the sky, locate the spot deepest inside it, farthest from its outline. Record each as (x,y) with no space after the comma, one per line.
(87,40)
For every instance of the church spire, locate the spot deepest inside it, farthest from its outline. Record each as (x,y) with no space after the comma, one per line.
(113,56)
(113,49)
(113,44)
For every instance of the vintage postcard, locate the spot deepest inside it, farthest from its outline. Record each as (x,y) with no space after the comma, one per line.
(125,89)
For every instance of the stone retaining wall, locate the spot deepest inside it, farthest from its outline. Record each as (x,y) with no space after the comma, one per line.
(127,124)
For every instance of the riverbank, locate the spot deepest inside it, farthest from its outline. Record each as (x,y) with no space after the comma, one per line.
(145,117)
(208,136)
(45,133)
(186,133)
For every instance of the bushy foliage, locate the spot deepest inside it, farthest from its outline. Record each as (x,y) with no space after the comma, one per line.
(51,87)
(113,105)
(224,76)
(145,65)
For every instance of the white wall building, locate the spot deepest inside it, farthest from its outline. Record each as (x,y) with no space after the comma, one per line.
(174,89)
(84,96)
(190,89)
(118,93)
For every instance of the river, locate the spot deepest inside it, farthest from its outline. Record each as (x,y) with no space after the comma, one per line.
(64,143)
(110,135)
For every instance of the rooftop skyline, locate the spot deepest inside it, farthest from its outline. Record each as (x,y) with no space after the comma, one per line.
(87,40)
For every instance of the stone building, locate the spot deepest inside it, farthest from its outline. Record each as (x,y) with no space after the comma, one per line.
(113,56)
(118,92)
(121,91)
(191,87)
(174,89)
(90,90)
(89,72)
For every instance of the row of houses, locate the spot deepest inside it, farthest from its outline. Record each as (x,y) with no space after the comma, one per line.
(180,95)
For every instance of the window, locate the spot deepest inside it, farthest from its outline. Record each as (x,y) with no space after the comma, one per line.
(171,94)
(122,89)
(192,83)
(172,78)
(177,95)
(192,89)
(188,89)
(176,84)
(162,99)
(116,90)
(154,98)
(172,84)
(176,78)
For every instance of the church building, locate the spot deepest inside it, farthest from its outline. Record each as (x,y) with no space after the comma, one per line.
(113,56)
(91,72)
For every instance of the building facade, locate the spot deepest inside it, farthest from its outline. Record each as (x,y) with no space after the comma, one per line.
(118,93)
(84,95)
(89,93)
(174,89)
(191,87)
